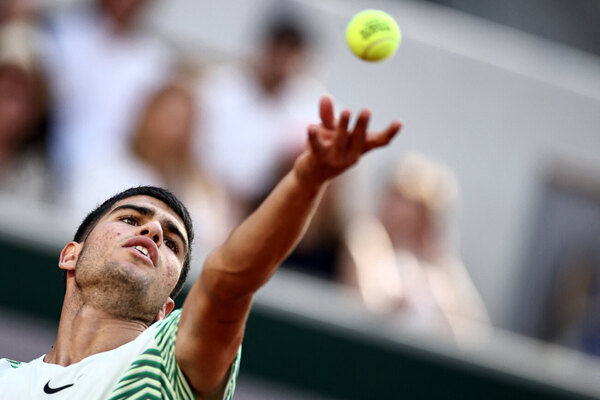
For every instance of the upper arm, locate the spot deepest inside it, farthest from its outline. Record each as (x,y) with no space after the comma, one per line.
(215,311)
(210,333)
(226,388)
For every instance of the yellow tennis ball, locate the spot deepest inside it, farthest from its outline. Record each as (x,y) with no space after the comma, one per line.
(373,35)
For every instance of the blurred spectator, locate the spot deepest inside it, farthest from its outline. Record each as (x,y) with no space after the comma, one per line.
(163,143)
(256,113)
(159,152)
(402,263)
(101,66)
(23,112)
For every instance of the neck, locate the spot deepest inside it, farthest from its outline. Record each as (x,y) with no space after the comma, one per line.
(85,330)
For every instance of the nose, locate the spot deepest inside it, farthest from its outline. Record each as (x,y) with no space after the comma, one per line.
(153,230)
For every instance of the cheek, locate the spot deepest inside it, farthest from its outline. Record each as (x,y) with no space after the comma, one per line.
(100,242)
(171,274)
(109,234)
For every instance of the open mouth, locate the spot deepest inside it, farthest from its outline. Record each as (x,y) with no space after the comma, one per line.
(143,250)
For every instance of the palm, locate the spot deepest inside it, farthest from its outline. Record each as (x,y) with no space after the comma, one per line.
(333,147)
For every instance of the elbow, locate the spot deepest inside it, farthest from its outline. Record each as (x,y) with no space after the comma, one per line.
(226,282)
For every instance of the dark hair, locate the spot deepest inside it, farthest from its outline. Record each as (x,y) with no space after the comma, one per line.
(286,30)
(90,221)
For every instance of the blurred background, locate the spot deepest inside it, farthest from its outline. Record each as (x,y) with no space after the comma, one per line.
(467,253)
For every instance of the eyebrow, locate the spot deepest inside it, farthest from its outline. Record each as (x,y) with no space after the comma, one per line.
(149,212)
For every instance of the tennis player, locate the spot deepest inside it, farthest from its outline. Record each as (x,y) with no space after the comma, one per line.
(119,337)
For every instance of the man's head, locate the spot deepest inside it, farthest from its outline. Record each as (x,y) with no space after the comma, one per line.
(140,237)
(284,52)
(417,200)
(123,14)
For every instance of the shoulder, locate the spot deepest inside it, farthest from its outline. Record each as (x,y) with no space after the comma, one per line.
(61,25)
(169,324)
(8,365)
(166,331)
(156,371)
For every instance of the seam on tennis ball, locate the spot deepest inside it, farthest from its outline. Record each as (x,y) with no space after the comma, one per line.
(373,44)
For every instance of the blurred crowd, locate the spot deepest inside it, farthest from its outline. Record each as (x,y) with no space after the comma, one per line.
(91,103)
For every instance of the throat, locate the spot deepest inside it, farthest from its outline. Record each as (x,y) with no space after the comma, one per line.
(91,331)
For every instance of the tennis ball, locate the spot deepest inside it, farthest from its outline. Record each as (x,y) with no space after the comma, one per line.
(373,35)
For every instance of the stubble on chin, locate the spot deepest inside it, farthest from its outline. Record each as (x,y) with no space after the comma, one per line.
(118,289)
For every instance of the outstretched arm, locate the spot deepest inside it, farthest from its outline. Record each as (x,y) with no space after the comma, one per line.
(215,312)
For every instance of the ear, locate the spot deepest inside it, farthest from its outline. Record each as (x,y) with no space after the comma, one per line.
(165,309)
(69,256)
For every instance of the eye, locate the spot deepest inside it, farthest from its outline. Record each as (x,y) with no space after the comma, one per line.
(171,244)
(129,219)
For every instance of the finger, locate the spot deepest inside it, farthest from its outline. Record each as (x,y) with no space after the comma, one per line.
(359,134)
(382,138)
(326,112)
(340,142)
(313,140)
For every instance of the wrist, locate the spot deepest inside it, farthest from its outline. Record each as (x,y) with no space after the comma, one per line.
(306,172)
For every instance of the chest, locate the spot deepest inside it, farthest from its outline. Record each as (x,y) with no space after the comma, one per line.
(92,378)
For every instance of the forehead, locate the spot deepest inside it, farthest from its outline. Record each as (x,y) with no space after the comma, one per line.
(161,210)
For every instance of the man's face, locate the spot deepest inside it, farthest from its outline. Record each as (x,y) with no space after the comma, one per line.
(131,260)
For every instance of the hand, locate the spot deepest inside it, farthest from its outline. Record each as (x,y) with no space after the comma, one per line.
(333,147)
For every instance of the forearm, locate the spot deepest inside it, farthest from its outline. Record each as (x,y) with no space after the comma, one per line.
(212,322)
(254,250)
(215,311)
